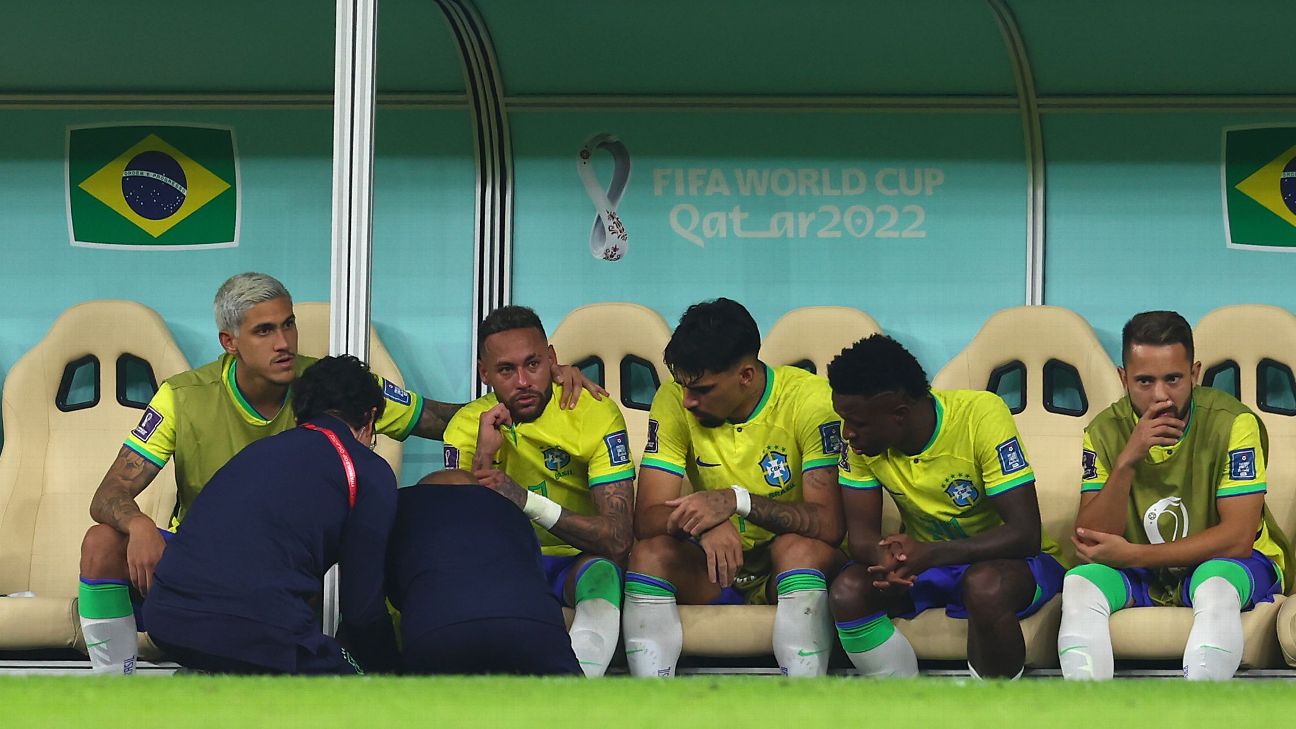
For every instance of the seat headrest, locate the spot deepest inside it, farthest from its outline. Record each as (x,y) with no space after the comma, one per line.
(1034,335)
(815,334)
(611,332)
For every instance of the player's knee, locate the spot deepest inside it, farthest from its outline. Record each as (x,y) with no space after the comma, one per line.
(849,588)
(449,477)
(988,590)
(793,551)
(103,553)
(656,555)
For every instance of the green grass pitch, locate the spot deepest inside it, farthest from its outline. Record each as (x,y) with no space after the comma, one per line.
(693,701)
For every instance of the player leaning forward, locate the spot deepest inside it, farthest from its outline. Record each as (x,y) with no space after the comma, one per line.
(202,418)
(972,541)
(569,470)
(1172,510)
(759,445)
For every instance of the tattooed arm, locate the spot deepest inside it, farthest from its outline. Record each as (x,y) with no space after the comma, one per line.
(608,534)
(114,501)
(114,504)
(436,415)
(819,516)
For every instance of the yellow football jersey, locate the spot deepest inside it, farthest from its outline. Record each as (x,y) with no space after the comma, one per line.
(1241,473)
(561,455)
(943,492)
(202,419)
(792,430)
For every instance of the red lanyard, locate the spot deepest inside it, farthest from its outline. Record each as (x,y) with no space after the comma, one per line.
(347,465)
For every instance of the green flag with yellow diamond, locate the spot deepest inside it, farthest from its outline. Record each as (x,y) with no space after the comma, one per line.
(152,186)
(1260,187)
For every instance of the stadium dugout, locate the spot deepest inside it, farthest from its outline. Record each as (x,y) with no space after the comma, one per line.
(998,184)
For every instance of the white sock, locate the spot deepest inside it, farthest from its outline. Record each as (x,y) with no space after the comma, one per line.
(1214,648)
(594,634)
(111,643)
(654,635)
(1084,638)
(803,633)
(893,659)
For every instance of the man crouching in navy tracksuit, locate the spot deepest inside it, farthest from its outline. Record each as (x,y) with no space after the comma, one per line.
(465,572)
(234,590)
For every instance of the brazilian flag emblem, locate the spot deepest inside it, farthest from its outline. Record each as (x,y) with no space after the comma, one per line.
(1260,187)
(152,186)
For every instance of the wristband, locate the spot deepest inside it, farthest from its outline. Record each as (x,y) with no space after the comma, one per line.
(542,510)
(742,499)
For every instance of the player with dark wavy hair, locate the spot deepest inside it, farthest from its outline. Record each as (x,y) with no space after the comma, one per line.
(233,590)
(759,445)
(972,541)
(201,418)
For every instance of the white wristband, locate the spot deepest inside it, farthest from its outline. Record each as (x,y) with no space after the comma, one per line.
(742,497)
(542,510)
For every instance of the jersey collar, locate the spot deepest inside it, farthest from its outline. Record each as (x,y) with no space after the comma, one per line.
(231,384)
(765,396)
(940,419)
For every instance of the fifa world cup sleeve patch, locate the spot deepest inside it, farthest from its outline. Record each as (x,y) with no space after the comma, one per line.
(1011,458)
(651,446)
(1089,460)
(395,393)
(618,446)
(1242,466)
(148,425)
(830,435)
(451,457)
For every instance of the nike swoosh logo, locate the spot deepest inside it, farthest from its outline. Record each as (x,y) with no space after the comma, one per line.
(804,653)
(635,650)
(704,464)
(98,642)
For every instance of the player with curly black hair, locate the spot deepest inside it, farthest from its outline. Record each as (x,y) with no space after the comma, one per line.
(972,541)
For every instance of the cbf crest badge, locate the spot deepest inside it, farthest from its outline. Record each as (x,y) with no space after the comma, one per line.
(555,459)
(962,493)
(775,467)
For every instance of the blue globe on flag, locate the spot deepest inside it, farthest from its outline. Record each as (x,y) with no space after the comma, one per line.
(1287,185)
(153,184)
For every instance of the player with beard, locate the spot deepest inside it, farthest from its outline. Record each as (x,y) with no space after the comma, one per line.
(1172,510)
(202,418)
(760,446)
(570,471)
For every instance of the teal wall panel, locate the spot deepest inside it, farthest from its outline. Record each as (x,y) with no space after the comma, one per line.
(748,47)
(238,46)
(932,292)
(1158,46)
(1136,222)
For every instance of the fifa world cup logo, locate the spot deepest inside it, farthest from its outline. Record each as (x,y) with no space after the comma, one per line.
(1171,507)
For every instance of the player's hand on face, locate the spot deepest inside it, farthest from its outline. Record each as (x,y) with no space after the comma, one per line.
(144,547)
(572,381)
(913,557)
(700,511)
(490,429)
(724,556)
(1097,547)
(1158,427)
